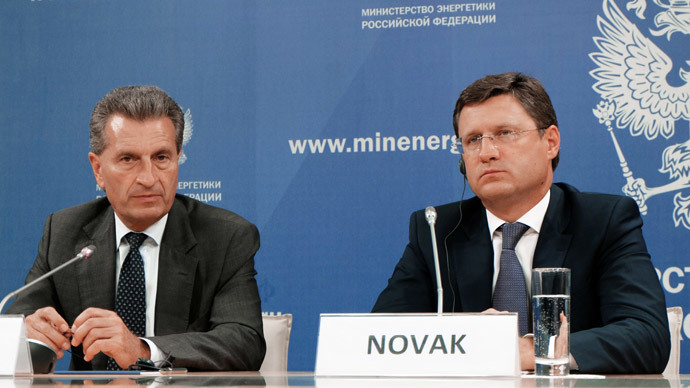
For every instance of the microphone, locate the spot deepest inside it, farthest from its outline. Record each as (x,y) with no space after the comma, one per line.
(430,214)
(84,254)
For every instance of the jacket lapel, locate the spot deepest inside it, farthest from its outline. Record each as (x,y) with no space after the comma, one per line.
(96,274)
(553,243)
(472,257)
(176,273)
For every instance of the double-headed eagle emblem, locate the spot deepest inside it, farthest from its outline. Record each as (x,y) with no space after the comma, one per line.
(632,78)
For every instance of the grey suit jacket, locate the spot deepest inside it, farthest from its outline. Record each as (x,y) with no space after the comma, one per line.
(208,311)
(618,313)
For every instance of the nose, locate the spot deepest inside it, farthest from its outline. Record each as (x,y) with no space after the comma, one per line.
(145,175)
(487,148)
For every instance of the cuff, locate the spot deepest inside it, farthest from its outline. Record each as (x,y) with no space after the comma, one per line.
(157,355)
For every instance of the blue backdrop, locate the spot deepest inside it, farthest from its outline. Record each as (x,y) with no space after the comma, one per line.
(327,123)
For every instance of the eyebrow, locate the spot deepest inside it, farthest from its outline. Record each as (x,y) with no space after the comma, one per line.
(495,128)
(158,151)
(165,150)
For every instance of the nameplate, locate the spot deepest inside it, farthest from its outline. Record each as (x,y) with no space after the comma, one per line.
(14,357)
(465,344)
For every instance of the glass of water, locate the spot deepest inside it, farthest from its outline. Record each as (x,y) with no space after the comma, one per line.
(551,317)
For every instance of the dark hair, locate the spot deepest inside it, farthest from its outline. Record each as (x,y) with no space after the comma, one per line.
(138,103)
(528,91)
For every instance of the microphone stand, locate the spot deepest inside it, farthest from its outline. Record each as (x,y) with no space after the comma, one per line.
(430,214)
(84,254)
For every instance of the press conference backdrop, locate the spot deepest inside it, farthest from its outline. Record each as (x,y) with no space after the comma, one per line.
(326,123)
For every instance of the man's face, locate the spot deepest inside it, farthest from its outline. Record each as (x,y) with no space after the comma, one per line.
(138,169)
(512,174)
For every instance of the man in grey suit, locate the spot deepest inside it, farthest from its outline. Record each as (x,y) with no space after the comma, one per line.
(509,141)
(193,298)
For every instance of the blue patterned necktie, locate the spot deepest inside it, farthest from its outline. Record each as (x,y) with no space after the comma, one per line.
(130,301)
(510,293)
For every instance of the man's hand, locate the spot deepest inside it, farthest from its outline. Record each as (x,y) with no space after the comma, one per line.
(525,346)
(47,326)
(103,331)
(562,338)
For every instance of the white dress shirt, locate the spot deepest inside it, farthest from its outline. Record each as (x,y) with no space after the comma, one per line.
(526,245)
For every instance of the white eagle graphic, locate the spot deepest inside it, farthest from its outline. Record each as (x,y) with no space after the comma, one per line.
(631,79)
(186,134)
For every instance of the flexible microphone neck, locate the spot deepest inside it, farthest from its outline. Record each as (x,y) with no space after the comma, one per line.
(430,214)
(84,254)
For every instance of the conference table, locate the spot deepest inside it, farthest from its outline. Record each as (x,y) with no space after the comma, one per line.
(307,379)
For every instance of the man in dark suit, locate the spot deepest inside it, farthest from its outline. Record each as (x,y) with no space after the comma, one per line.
(195,302)
(509,141)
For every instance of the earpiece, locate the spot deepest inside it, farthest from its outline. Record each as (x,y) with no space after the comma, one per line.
(445,239)
(461,165)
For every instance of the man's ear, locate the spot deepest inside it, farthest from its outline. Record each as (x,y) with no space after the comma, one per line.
(96,166)
(553,138)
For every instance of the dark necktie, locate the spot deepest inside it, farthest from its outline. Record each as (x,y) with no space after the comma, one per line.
(130,302)
(510,293)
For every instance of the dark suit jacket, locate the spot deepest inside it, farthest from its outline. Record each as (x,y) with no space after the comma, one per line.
(208,312)
(618,312)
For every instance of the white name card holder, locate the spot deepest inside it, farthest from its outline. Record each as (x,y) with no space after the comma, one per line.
(15,358)
(418,345)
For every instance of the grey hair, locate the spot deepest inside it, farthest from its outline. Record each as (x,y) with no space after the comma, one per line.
(138,103)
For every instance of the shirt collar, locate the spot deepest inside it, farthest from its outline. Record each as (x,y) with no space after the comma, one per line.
(154,231)
(533,218)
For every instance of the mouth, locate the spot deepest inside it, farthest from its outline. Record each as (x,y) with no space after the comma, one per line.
(146,197)
(491,172)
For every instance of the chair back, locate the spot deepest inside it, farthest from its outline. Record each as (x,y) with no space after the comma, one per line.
(675,322)
(277,334)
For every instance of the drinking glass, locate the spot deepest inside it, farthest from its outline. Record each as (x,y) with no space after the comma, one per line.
(551,317)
